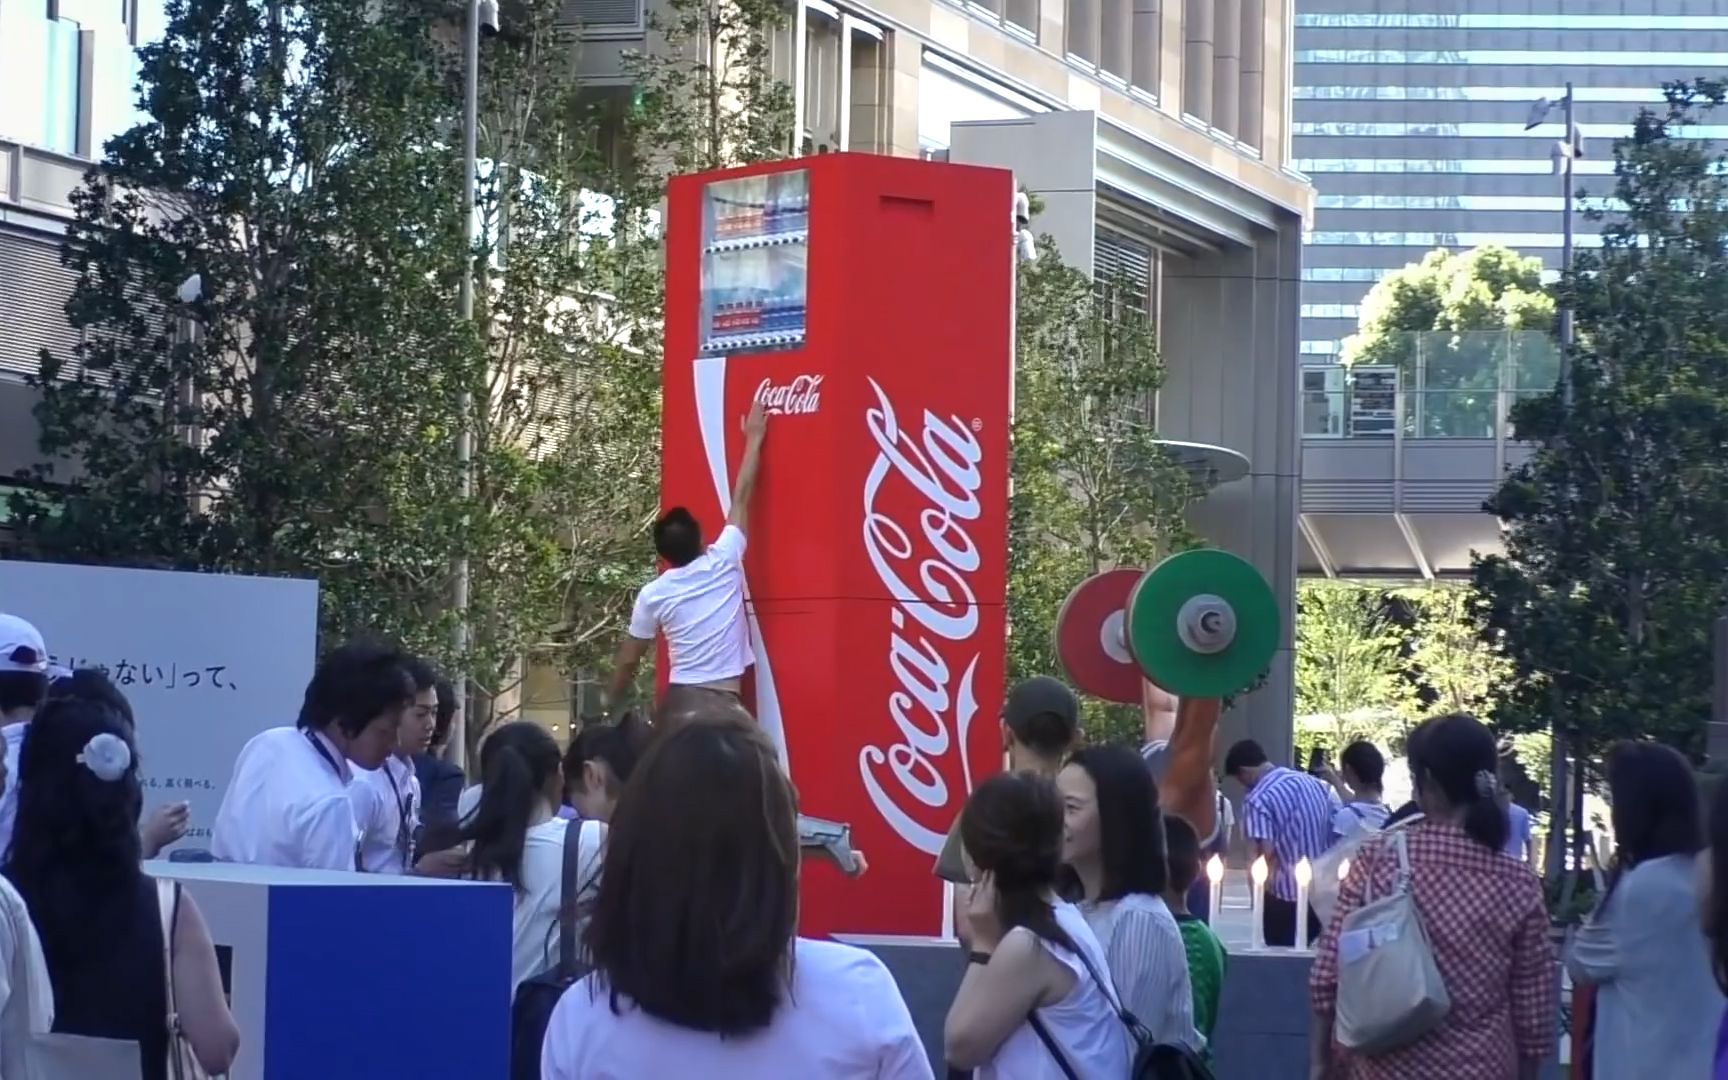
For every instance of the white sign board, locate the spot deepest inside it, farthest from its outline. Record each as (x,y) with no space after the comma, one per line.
(207,661)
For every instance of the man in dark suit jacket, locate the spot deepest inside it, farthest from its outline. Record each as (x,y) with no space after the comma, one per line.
(441,783)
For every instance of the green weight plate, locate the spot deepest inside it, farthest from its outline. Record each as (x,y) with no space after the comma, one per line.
(1155,615)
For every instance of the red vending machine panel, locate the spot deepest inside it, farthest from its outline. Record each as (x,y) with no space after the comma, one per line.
(866,300)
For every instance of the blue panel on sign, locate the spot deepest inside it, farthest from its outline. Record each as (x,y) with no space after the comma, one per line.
(374,981)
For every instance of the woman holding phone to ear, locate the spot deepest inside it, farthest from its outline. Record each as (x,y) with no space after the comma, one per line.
(1034,962)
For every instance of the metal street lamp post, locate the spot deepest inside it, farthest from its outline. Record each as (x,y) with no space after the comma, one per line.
(482,15)
(1564,153)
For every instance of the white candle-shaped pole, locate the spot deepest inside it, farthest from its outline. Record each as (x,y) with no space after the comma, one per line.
(1215,893)
(1257,874)
(1343,870)
(1304,878)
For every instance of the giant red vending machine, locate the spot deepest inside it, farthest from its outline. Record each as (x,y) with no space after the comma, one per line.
(867,301)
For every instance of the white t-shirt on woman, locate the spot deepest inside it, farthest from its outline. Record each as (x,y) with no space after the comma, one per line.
(1084,1024)
(534,924)
(843,1020)
(1148,965)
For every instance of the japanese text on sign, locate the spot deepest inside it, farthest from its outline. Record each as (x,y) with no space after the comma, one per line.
(172,676)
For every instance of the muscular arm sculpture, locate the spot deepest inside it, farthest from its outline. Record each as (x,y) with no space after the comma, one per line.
(1188,788)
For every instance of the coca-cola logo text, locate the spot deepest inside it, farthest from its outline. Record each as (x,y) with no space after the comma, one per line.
(801,395)
(934,618)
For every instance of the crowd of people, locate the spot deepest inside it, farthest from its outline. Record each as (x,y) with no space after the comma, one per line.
(667,847)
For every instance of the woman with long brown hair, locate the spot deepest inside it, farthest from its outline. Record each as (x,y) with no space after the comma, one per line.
(697,967)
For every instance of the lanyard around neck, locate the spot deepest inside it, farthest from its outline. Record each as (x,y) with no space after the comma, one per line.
(324,752)
(335,767)
(404,816)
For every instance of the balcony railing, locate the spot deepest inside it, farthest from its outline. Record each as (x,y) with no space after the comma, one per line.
(1429,386)
(1423,414)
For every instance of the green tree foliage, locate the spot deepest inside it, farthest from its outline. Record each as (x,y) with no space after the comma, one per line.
(1463,327)
(706,95)
(300,416)
(1093,488)
(293,418)
(1454,662)
(1350,663)
(1615,562)
(566,461)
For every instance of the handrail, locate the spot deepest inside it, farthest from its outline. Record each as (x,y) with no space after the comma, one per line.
(1417,415)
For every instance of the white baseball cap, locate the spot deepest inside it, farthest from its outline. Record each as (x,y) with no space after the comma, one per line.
(21,647)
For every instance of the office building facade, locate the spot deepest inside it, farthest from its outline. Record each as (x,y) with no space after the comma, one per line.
(1410,120)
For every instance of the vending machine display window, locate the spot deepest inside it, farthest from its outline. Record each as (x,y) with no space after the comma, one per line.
(755,262)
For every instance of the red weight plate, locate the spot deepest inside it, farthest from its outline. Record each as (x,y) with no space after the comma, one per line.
(1092,638)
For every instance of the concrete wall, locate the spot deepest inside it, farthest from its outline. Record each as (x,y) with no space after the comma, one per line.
(1229,341)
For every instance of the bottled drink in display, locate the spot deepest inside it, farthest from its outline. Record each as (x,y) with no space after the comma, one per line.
(774,214)
(753,220)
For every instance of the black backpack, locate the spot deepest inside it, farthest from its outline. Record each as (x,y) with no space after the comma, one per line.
(538,995)
(1153,1060)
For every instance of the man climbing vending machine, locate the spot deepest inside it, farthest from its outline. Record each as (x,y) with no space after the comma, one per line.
(866,301)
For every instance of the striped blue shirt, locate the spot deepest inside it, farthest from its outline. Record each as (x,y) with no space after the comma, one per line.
(1292,813)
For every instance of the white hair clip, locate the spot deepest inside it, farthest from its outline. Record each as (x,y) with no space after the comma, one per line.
(106,755)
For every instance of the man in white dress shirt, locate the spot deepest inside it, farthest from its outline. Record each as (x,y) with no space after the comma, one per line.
(288,803)
(387,799)
(699,602)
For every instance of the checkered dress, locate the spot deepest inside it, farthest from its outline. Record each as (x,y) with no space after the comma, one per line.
(1486,920)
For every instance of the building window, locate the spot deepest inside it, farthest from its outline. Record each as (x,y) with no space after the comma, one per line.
(823,80)
(1518,21)
(42,59)
(1015,16)
(1251,81)
(949,93)
(1147,64)
(870,128)
(146,21)
(1125,270)
(1197,59)
(843,84)
(60,86)
(1522,58)
(603,18)
(1478,166)
(1125,274)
